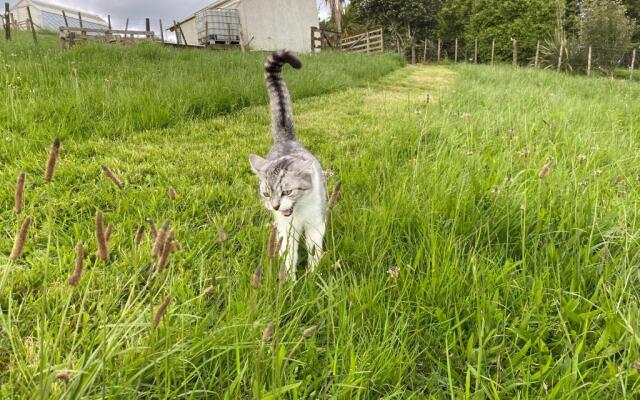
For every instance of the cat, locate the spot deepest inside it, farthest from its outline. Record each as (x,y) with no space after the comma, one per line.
(292,182)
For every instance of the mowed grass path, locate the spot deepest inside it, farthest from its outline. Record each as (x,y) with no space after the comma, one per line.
(509,285)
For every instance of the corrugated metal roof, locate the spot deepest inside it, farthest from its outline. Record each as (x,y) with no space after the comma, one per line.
(52,6)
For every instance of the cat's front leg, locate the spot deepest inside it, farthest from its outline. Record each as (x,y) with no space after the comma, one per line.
(314,234)
(290,237)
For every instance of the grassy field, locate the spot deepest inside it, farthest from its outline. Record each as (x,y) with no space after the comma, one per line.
(509,285)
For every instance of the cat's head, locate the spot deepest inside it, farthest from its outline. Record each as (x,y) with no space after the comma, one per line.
(283,181)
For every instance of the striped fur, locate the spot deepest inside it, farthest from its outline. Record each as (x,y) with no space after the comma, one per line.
(281,110)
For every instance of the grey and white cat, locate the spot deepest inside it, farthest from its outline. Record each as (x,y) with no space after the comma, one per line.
(292,184)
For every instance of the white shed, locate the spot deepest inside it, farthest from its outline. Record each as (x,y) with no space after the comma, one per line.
(261,24)
(48,16)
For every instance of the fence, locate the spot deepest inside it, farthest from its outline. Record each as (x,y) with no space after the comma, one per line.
(368,42)
(564,56)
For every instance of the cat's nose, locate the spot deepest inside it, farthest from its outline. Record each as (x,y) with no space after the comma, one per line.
(276,207)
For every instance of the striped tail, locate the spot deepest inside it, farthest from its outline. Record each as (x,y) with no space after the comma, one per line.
(281,111)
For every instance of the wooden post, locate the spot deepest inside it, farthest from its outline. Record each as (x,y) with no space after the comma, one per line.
(109,21)
(560,56)
(493,49)
(455,53)
(633,61)
(80,19)
(147,25)
(64,15)
(475,52)
(439,46)
(589,62)
(33,28)
(535,63)
(161,31)
(126,25)
(424,56)
(514,43)
(7,22)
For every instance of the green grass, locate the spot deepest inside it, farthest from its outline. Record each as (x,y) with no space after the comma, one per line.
(510,285)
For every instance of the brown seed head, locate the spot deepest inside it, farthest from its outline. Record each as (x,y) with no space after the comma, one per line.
(282,274)
(112,176)
(544,171)
(21,237)
(222,235)
(166,250)
(77,272)
(103,250)
(209,289)
(267,333)
(63,376)
(394,272)
(138,238)
(256,278)
(173,195)
(310,331)
(158,245)
(20,192)
(273,247)
(335,195)
(162,309)
(107,233)
(53,158)
(152,227)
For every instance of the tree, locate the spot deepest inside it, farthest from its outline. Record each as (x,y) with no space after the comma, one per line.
(453,19)
(406,20)
(337,10)
(607,29)
(527,21)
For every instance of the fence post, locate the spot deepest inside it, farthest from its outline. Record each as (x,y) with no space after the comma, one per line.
(475,52)
(33,29)
(493,49)
(514,43)
(560,56)
(64,15)
(80,19)
(455,57)
(161,30)
(589,63)
(147,26)
(535,63)
(126,27)
(439,46)
(633,61)
(109,21)
(424,56)
(7,22)
(368,43)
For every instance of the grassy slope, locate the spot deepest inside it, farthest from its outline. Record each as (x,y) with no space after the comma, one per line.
(508,283)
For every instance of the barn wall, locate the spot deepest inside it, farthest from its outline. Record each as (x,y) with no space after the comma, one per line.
(277,24)
(190,32)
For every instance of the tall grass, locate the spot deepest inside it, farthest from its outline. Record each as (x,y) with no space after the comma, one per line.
(503,284)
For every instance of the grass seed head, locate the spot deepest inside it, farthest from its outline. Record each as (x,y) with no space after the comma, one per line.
(20,239)
(112,176)
(167,249)
(152,227)
(108,232)
(173,195)
(63,376)
(544,171)
(267,333)
(222,235)
(394,272)
(53,159)
(256,278)
(77,272)
(282,274)
(158,245)
(103,250)
(310,331)
(582,158)
(335,195)
(162,309)
(273,247)
(208,290)
(138,238)
(20,192)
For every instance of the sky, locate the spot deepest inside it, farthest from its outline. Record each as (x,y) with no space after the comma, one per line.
(138,10)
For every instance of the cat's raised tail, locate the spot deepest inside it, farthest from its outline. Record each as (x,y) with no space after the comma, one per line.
(281,110)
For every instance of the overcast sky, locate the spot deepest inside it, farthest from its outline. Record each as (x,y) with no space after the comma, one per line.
(138,10)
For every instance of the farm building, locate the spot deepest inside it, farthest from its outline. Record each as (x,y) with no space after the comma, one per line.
(259,24)
(49,16)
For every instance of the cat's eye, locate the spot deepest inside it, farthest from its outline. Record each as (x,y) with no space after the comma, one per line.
(287,192)
(266,194)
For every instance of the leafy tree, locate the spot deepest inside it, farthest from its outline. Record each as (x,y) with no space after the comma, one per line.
(527,21)
(607,29)
(453,19)
(405,20)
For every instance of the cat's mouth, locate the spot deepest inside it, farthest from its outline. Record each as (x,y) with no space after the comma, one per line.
(287,213)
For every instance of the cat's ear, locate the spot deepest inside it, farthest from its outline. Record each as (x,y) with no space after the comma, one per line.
(257,164)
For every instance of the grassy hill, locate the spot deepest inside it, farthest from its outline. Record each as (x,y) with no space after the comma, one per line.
(509,284)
